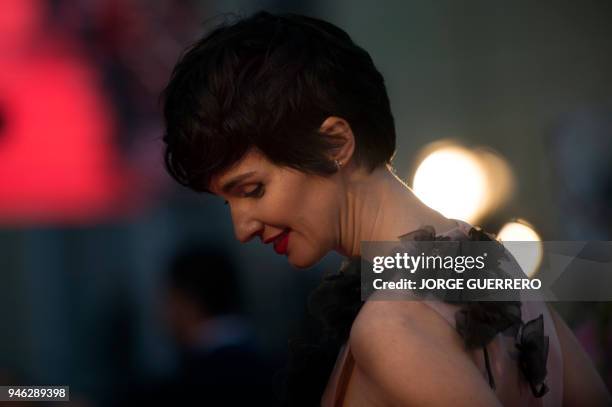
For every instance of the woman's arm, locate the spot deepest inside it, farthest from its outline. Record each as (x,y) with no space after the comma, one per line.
(582,385)
(407,355)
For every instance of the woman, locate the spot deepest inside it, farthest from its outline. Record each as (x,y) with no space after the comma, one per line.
(287,120)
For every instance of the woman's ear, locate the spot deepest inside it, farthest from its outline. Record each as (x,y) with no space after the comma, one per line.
(343,139)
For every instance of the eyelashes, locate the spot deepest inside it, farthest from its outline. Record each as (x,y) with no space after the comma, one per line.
(256,192)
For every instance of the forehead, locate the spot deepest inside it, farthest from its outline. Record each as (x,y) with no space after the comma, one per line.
(252,161)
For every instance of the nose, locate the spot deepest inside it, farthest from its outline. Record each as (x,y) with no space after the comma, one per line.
(246,226)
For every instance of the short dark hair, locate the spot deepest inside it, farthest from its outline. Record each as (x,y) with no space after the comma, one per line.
(268,82)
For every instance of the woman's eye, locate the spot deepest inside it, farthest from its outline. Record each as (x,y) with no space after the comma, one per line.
(254,192)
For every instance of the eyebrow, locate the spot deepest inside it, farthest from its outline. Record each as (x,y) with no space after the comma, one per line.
(236,180)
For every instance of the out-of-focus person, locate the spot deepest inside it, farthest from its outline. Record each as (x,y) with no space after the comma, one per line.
(219,362)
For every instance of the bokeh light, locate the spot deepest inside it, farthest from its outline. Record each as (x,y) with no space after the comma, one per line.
(462,183)
(528,255)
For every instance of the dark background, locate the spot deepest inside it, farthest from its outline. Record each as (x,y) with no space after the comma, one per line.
(89,220)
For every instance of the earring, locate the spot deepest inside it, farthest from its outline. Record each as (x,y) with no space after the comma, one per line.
(338,164)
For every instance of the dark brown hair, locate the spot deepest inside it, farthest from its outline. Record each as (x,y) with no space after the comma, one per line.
(268,82)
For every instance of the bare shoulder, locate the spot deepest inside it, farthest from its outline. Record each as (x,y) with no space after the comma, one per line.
(383,321)
(407,352)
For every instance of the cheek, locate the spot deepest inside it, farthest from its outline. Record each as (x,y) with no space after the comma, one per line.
(304,202)
(309,206)
(315,227)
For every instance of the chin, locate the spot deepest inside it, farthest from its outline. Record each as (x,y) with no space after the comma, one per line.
(303,262)
(300,264)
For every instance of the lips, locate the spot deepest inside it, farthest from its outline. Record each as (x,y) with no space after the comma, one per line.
(281,242)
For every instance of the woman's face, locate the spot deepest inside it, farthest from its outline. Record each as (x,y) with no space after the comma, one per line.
(296,213)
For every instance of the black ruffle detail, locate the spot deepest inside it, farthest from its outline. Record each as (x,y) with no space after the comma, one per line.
(336,302)
(533,347)
(479,322)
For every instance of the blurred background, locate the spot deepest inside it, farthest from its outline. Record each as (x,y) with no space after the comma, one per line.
(510,103)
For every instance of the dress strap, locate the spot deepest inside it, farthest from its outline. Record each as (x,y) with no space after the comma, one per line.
(345,376)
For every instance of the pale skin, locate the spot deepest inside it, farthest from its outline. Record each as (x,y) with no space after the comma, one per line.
(338,212)
(324,213)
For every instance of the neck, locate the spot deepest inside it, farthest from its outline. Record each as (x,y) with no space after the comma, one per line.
(380,207)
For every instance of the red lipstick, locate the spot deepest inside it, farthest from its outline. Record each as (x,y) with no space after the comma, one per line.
(281,242)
